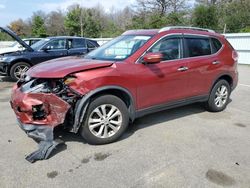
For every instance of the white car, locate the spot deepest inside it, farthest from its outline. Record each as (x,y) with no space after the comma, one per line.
(18,47)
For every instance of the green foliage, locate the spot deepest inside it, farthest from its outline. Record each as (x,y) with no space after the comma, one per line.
(245,30)
(146,14)
(38,27)
(237,15)
(205,17)
(92,26)
(72,21)
(5,37)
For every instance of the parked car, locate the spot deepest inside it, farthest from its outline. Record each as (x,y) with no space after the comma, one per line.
(138,73)
(17,63)
(17,47)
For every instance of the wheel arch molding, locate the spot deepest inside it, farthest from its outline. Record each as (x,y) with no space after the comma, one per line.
(82,105)
(226,76)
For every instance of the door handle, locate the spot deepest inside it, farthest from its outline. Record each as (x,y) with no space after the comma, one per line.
(182,69)
(216,62)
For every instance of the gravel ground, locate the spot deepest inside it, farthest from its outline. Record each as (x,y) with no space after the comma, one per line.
(182,147)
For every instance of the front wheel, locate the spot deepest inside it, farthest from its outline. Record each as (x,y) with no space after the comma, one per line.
(219,96)
(18,69)
(106,120)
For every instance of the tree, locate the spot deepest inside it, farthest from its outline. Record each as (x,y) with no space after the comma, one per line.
(235,15)
(205,17)
(72,20)
(55,23)
(20,27)
(38,26)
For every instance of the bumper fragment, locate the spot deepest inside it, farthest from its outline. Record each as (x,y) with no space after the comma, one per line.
(45,136)
(38,114)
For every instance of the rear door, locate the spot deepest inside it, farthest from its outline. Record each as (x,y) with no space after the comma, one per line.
(77,46)
(201,64)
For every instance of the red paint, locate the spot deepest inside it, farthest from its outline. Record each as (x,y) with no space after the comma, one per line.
(61,67)
(55,107)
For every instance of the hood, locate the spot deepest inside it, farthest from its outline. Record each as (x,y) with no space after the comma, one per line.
(59,68)
(14,36)
(8,50)
(12,54)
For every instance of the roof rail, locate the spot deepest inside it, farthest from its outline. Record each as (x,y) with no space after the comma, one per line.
(185,27)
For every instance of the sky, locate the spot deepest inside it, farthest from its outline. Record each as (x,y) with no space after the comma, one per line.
(11,10)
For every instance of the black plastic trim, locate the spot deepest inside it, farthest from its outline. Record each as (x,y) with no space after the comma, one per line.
(170,105)
(82,105)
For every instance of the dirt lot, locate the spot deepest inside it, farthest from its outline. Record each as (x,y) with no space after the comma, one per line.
(182,147)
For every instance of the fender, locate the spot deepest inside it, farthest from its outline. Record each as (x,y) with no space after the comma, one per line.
(82,105)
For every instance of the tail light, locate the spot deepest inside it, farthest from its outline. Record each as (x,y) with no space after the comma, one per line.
(235,56)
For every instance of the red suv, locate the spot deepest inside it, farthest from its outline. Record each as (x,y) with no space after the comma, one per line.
(137,73)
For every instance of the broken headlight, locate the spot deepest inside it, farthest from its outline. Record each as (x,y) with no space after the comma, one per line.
(69,79)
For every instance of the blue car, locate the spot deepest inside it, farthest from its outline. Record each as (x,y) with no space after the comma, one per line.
(16,64)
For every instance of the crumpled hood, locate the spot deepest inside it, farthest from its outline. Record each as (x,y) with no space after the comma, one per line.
(59,68)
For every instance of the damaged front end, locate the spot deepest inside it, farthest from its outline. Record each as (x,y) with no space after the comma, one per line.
(41,105)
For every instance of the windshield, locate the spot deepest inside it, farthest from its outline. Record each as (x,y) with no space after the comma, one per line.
(39,44)
(118,49)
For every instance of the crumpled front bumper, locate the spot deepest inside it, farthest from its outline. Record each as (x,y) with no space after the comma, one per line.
(38,133)
(38,109)
(37,114)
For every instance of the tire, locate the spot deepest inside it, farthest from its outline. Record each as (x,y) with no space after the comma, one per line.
(219,96)
(106,120)
(18,69)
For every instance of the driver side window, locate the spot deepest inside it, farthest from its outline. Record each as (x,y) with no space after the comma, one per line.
(56,44)
(170,48)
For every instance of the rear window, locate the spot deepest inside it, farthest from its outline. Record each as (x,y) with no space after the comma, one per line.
(216,45)
(198,47)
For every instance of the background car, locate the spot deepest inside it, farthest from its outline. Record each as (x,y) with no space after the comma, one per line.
(18,47)
(17,63)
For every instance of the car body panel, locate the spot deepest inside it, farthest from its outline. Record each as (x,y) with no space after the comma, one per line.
(164,75)
(61,67)
(54,107)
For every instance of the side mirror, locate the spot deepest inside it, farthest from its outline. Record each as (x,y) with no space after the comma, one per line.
(45,49)
(152,58)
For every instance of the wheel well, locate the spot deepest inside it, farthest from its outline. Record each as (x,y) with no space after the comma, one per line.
(17,61)
(227,78)
(116,92)
(124,96)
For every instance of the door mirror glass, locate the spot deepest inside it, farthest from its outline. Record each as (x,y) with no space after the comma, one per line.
(152,58)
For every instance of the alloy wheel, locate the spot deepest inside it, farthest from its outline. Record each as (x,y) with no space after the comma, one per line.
(221,96)
(20,70)
(105,121)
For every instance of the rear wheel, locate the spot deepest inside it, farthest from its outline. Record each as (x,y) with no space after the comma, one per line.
(219,96)
(106,120)
(18,69)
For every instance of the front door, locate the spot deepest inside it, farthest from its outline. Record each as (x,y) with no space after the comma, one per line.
(54,49)
(165,81)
